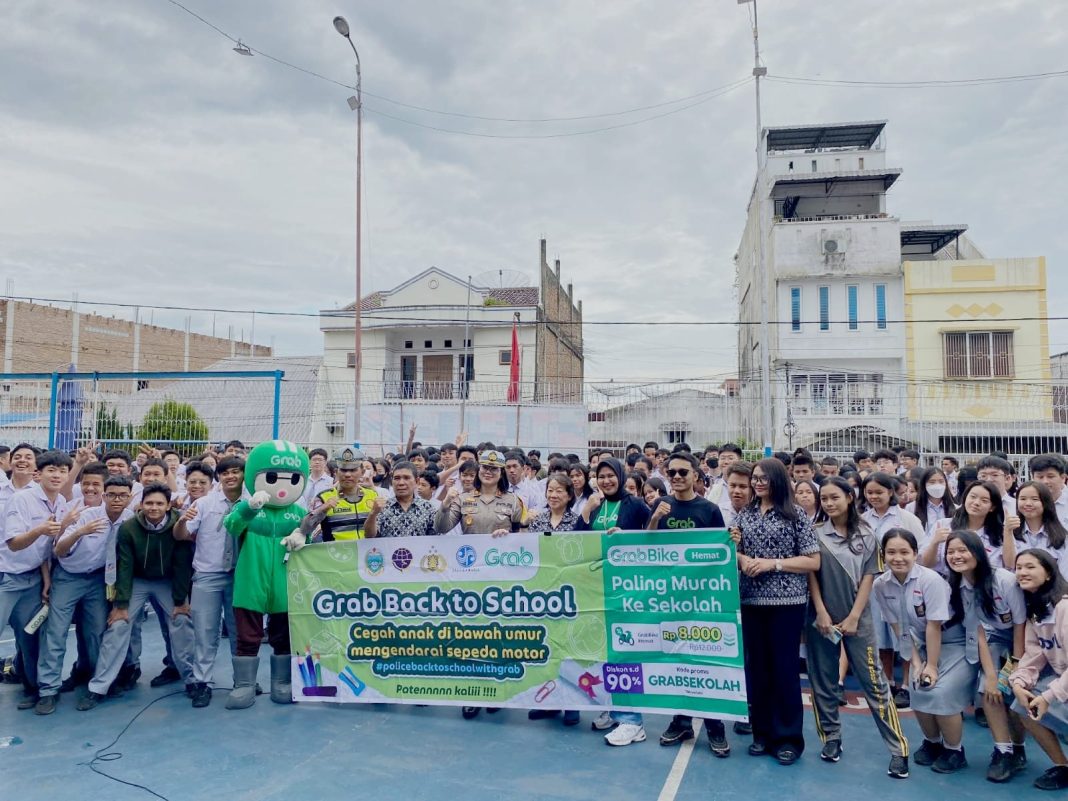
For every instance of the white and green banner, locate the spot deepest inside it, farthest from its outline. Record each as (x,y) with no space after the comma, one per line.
(633,620)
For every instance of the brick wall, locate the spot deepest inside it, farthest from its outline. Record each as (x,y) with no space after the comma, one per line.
(41,342)
(560,361)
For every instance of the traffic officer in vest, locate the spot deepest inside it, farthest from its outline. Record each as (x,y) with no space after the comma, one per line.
(341,512)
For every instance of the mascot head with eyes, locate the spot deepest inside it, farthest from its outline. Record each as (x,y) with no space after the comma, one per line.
(278,468)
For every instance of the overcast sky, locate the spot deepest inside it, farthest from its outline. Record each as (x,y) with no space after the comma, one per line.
(143,161)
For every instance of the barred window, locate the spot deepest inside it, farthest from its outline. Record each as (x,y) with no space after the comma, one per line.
(978,354)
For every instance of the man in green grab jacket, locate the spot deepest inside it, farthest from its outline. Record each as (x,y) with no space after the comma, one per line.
(150,563)
(275,474)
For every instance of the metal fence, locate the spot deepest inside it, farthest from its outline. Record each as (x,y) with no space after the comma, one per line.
(302,404)
(186,410)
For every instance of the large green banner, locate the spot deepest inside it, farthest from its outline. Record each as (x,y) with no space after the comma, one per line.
(634,620)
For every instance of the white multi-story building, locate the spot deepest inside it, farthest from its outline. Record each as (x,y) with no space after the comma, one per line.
(836,301)
(419,366)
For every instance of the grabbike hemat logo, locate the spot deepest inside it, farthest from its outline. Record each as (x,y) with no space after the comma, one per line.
(668,555)
(470,558)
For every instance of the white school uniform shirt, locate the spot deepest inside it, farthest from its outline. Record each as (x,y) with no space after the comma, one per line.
(90,552)
(7,489)
(1061,504)
(993,552)
(895,517)
(1040,540)
(26,510)
(1009,611)
(315,486)
(1008,504)
(528,492)
(215,548)
(923,596)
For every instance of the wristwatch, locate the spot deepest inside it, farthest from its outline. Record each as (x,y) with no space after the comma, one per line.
(778,565)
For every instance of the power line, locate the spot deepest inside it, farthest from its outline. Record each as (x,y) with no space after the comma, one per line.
(347,313)
(706,94)
(933,83)
(718,93)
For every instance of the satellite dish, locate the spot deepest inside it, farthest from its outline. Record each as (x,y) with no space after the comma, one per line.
(830,246)
(502,279)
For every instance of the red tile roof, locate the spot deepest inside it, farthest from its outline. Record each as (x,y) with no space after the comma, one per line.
(515,296)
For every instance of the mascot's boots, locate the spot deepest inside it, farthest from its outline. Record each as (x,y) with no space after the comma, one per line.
(244,693)
(281,679)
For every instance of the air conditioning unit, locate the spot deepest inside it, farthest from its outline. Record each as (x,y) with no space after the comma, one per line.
(834,243)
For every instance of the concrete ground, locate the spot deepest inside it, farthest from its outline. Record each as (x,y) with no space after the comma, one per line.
(405,753)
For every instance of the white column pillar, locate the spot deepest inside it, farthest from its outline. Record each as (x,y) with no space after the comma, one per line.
(75,346)
(9,335)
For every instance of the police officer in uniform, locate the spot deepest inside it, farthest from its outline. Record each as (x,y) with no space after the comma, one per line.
(341,512)
(489,509)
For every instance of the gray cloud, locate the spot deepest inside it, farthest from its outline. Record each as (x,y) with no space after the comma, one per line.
(145,162)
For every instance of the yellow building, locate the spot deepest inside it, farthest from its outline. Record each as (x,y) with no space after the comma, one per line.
(977,341)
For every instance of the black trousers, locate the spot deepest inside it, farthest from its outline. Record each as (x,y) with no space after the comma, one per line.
(250,632)
(772,636)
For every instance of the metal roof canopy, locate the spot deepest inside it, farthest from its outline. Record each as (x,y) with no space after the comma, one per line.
(888,176)
(860,135)
(929,238)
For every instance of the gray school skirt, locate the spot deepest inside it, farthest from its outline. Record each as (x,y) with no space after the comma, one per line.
(955,689)
(1056,717)
(999,642)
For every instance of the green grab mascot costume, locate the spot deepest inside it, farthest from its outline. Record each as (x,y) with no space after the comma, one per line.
(267,527)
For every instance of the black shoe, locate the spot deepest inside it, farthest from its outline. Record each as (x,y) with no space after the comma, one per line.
(28,701)
(492,710)
(742,728)
(1000,769)
(717,739)
(950,761)
(980,717)
(787,755)
(46,705)
(126,680)
(89,701)
(902,699)
(677,732)
(832,751)
(1056,778)
(1019,758)
(73,682)
(928,753)
(899,767)
(201,696)
(169,676)
(542,714)
(470,712)
(758,749)
(191,689)
(572,717)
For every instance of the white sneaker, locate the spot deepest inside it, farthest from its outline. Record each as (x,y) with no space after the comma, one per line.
(603,722)
(625,734)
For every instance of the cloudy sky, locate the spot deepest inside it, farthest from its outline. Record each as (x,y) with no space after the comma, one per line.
(143,161)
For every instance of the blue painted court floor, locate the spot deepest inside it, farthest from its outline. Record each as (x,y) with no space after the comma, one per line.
(404,753)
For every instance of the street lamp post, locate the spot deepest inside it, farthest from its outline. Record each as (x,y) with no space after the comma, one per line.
(760,191)
(356,104)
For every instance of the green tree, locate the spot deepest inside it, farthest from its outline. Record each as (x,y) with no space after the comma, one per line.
(108,426)
(172,421)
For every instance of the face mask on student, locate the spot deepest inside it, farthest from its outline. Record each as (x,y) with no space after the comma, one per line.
(936,491)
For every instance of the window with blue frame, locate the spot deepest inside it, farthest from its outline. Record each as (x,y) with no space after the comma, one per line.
(880,306)
(851,298)
(795,308)
(825,308)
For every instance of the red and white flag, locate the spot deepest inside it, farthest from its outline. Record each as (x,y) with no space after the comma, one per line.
(513,374)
